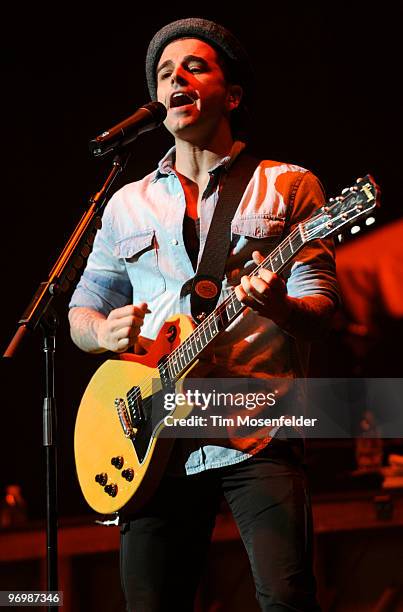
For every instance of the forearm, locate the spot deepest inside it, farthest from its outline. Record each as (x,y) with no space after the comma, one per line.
(308,317)
(84,325)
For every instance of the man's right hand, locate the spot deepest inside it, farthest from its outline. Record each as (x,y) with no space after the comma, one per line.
(120,330)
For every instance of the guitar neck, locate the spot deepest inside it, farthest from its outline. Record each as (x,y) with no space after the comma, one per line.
(357,201)
(184,355)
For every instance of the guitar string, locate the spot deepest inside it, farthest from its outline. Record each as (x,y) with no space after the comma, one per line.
(202,327)
(307,236)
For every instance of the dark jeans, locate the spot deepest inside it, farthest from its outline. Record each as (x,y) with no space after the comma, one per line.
(164,550)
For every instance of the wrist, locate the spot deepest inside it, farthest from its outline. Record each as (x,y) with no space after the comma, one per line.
(97,327)
(285,321)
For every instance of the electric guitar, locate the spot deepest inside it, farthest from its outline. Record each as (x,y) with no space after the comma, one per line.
(119,451)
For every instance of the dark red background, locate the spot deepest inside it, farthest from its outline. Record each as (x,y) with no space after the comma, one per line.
(328,78)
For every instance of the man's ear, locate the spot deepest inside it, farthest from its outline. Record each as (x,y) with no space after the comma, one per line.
(234,98)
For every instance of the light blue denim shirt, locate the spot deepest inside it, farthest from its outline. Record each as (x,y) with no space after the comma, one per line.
(139,255)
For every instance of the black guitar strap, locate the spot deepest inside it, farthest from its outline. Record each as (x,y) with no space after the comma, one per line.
(205,286)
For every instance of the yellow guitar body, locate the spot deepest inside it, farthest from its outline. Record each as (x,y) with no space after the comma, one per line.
(111,474)
(119,458)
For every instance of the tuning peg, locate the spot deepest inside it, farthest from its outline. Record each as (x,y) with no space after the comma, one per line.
(359,180)
(355,229)
(370,220)
(340,238)
(354,188)
(345,189)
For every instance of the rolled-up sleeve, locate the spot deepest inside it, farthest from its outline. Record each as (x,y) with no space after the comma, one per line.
(104,284)
(314,269)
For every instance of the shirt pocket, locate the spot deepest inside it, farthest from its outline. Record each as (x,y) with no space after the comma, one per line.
(140,252)
(258,232)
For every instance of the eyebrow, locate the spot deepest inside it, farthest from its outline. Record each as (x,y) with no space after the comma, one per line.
(186,60)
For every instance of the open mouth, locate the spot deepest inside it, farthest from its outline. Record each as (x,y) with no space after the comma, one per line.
(179,99)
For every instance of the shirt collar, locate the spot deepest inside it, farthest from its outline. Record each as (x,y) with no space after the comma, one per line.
(166,164)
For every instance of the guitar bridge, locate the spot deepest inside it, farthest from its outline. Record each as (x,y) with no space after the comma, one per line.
(124,418)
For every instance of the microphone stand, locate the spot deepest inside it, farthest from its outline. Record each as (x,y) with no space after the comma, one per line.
(40,312)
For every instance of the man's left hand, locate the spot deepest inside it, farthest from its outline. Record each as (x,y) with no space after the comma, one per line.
(266,293)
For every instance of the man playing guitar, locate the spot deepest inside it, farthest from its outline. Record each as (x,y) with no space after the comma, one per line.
(152,236)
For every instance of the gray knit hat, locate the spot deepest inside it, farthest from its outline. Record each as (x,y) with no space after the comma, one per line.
(215,35)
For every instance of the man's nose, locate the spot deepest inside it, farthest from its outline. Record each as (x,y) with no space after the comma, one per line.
(178,76)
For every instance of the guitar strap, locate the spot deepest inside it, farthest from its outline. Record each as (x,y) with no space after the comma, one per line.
(205,286)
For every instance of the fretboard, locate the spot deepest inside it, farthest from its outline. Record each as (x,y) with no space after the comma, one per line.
(184,355)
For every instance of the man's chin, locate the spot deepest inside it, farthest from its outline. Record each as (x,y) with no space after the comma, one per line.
(183,128)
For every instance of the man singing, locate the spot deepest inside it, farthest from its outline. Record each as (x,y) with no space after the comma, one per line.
(152,238)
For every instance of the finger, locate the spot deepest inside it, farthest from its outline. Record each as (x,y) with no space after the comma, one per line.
(245,283)
(134,332)
(119,313)
(122,345)
(244,293)
(240,293)
(250,291)
(127,332)
(130,321)
(258,286)
(266,275)
(144,307)
(257,257)
(129,310)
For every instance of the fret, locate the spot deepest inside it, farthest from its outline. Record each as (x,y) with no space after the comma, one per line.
(177,363)
(281,254)
(219,319)
(170,369)
(207,331)
(182,357)
(226,311)
(212,327)
(174,362)
(205,341)
(289,253)
(275,261)
(189,349)
(298,239)
(198,340)
(230,310)
(290,243)
(185,352)
(235,307)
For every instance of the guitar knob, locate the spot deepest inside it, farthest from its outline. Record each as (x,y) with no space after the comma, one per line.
(111,489)
(128,474)
(102,478)
(117,462)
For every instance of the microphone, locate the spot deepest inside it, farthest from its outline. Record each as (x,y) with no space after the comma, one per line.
(146,118)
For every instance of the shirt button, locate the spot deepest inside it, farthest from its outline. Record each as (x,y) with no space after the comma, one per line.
(174,241)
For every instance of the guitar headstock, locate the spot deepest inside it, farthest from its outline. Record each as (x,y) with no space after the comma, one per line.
(338,213)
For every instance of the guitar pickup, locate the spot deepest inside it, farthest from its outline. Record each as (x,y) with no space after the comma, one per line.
(135,406)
